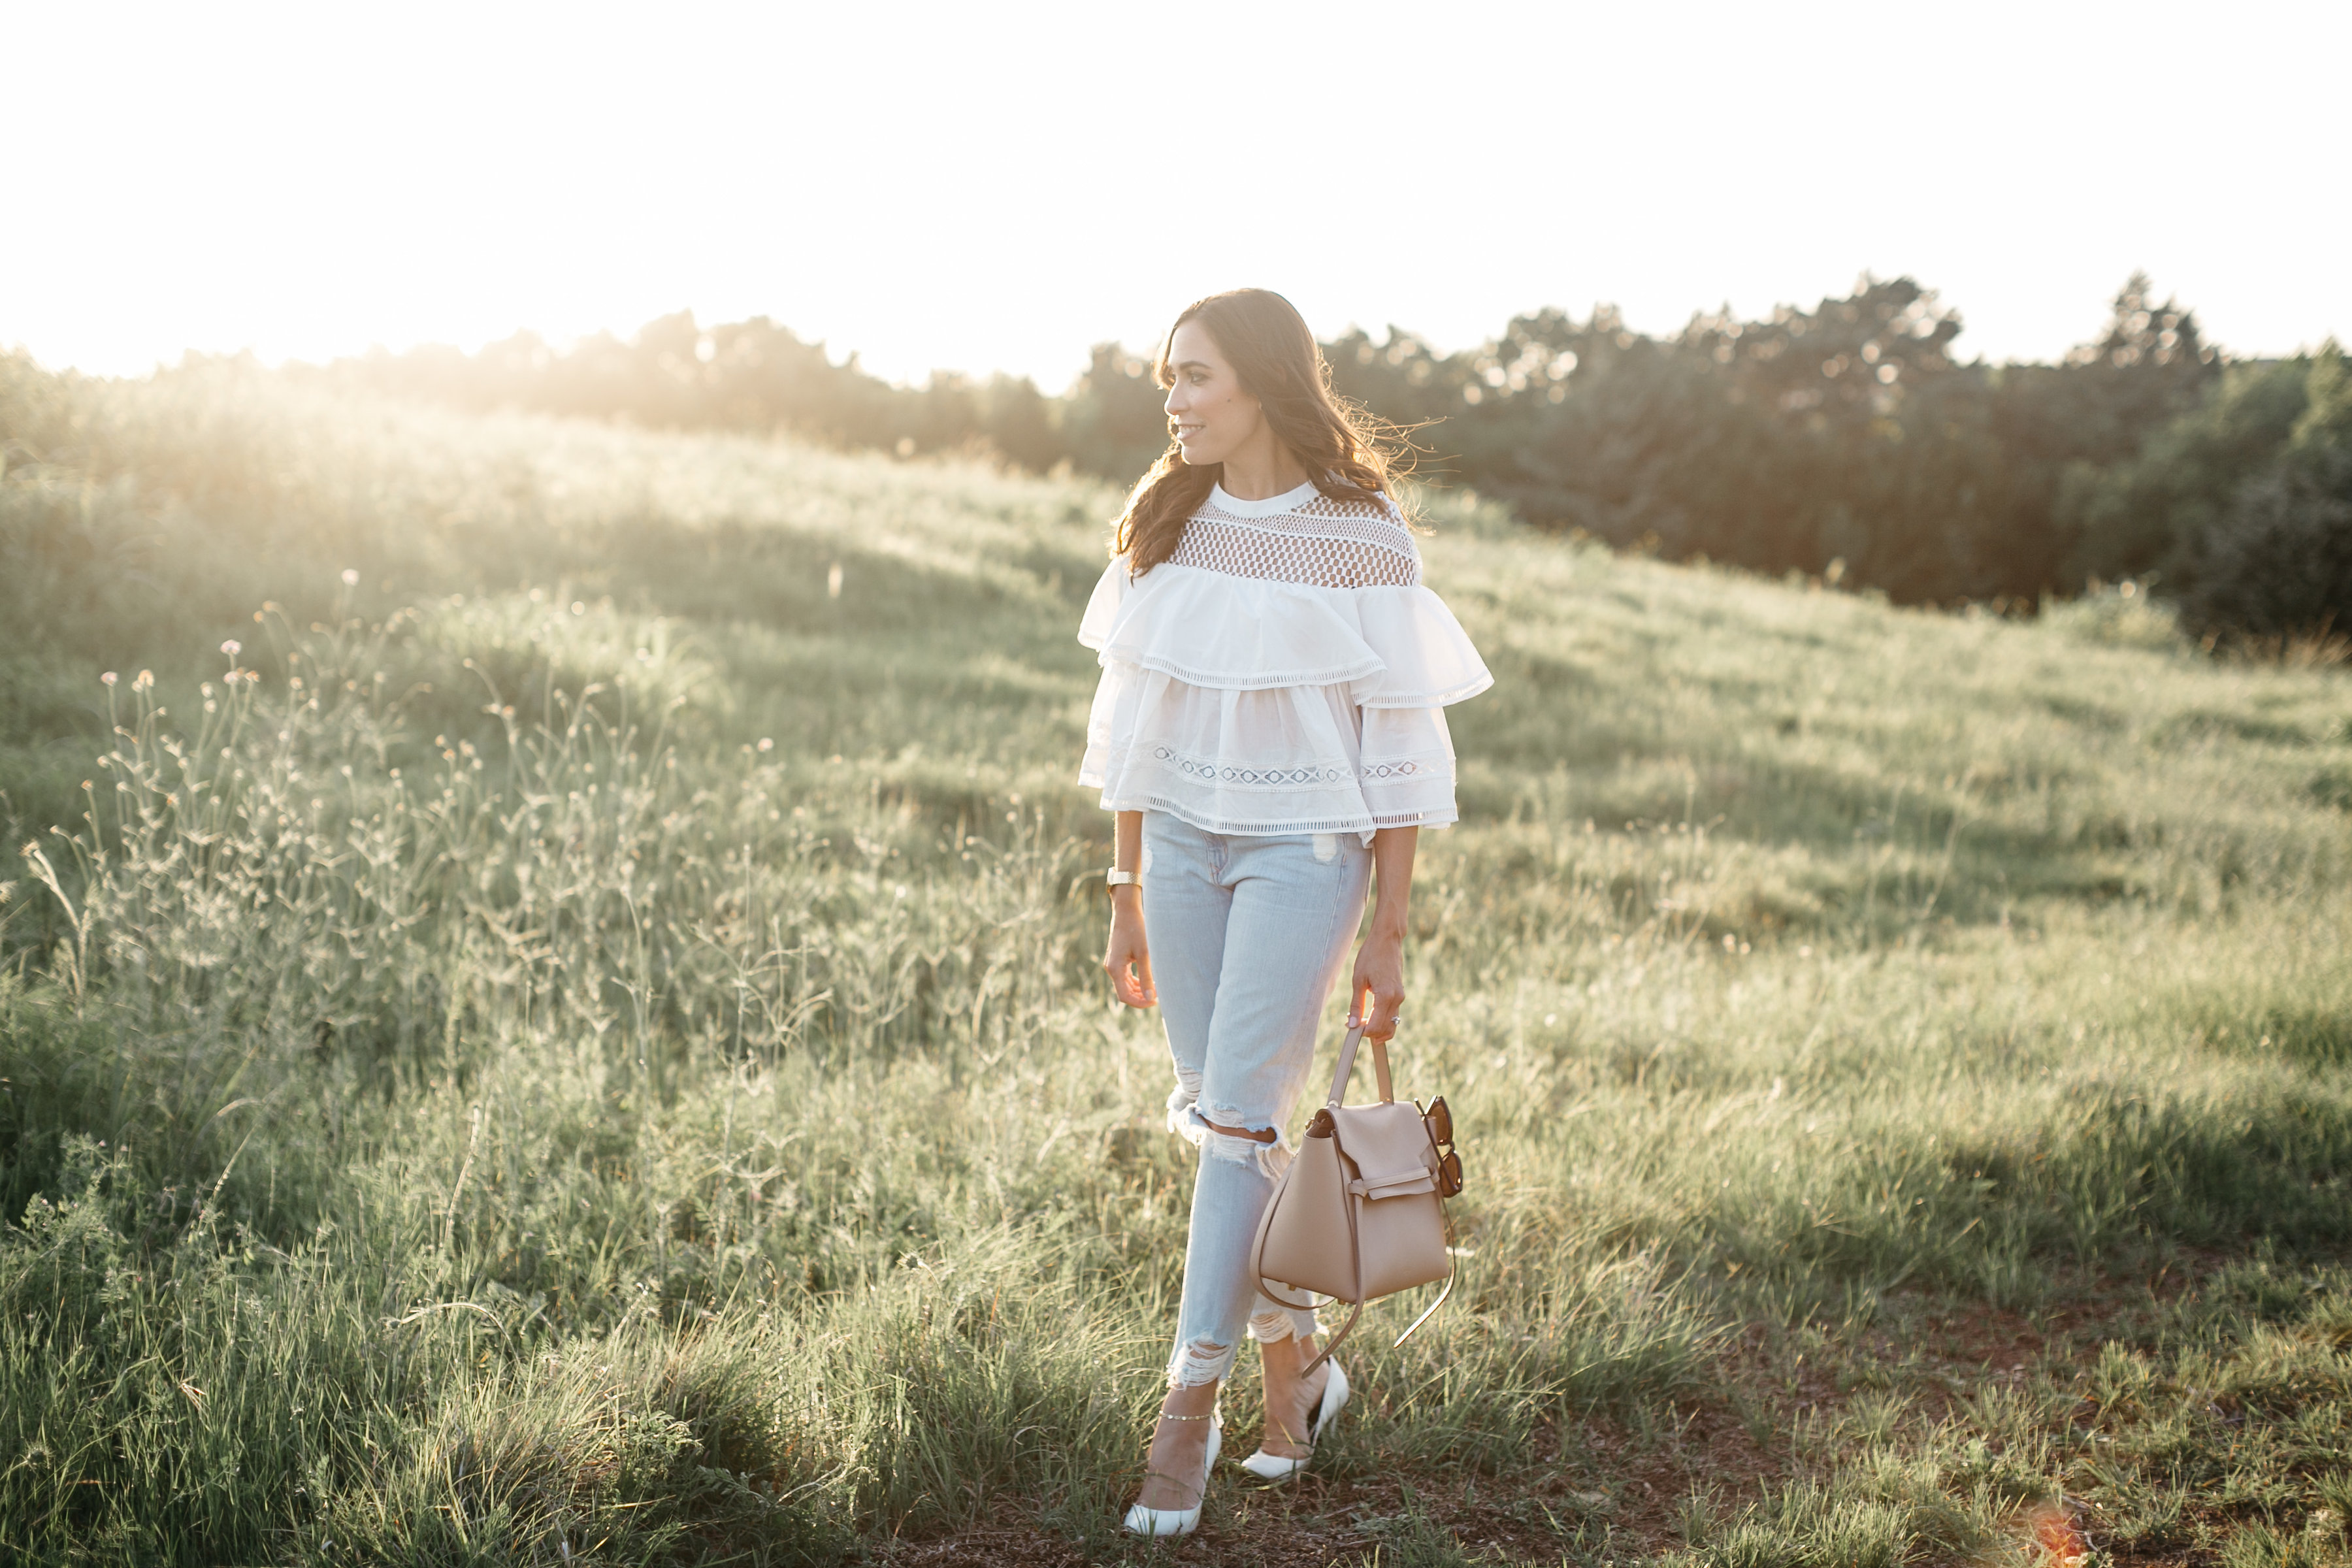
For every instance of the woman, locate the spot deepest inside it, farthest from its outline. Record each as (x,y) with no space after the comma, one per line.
(1270,729)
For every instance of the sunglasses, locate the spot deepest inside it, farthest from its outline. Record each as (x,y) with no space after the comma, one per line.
(1440,1122)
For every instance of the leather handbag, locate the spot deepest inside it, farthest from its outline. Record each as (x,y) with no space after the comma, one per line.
(1361,1211)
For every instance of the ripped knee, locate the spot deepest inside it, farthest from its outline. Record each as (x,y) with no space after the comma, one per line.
(1270,1328)
(1267,1154)
(1203,1361)
(1270,1323)
(1239,1149)
(1222,1132)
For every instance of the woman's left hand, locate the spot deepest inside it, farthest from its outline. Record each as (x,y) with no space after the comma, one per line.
(1380,973)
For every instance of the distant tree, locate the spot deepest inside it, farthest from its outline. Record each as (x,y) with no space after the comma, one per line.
(1825,449)
(1114,421)
(1402,378)
(2146,516)
(1018,422)
(2277,560)
(2323,433)
(2151,366)
(2280,563)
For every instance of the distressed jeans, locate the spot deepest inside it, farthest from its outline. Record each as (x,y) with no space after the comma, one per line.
(1247,935)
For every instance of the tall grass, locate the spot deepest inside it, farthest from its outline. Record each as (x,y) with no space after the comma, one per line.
(580,1041)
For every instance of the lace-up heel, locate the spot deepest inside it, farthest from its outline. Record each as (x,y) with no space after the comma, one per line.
(1142,1520)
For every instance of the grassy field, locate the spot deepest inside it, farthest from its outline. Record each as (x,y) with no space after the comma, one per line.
(578,1038)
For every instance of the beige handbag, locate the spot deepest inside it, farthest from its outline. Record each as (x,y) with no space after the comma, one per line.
(1361,1212)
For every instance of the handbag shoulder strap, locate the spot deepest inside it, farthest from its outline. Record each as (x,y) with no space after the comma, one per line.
(1347,1064)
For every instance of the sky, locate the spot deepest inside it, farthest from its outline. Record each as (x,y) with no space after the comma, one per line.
(952,187)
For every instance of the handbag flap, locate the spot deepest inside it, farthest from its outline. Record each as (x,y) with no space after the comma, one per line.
(1389,1146)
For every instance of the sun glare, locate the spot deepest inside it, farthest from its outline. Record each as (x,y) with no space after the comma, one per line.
(942,188)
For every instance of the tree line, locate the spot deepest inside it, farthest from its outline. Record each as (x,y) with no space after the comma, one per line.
(1847,441)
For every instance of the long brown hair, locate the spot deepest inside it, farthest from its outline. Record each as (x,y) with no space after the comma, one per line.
(1268,344)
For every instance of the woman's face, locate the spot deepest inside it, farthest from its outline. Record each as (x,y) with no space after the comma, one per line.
(1208,412)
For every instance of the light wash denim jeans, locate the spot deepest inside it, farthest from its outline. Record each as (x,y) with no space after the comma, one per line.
(1247,935)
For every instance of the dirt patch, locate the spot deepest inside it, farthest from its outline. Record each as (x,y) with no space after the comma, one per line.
(1614,1488)
(1010,1546)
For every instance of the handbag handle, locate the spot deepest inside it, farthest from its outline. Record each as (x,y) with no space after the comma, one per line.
(1347,1063)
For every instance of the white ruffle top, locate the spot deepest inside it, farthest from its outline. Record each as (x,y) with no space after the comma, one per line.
(1284,671)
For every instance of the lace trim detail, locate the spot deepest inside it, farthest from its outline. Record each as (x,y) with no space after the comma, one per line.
(1321,544)
(1305,775)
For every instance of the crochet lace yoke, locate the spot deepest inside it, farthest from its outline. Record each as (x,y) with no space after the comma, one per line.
(1318,542)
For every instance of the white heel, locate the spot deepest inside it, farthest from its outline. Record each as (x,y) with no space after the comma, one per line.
(1269,1468)
(1142,1520)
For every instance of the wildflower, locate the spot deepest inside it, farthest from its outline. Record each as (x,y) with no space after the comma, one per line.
(232,648)
(146,683)
(107,679)
(351,578)
(767,745)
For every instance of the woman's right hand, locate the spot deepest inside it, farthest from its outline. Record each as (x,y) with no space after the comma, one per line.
(1128,961)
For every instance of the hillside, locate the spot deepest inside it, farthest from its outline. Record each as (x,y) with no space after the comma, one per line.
(588,1044)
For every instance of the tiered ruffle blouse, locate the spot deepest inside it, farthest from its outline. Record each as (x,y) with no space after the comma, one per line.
(1284,671)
